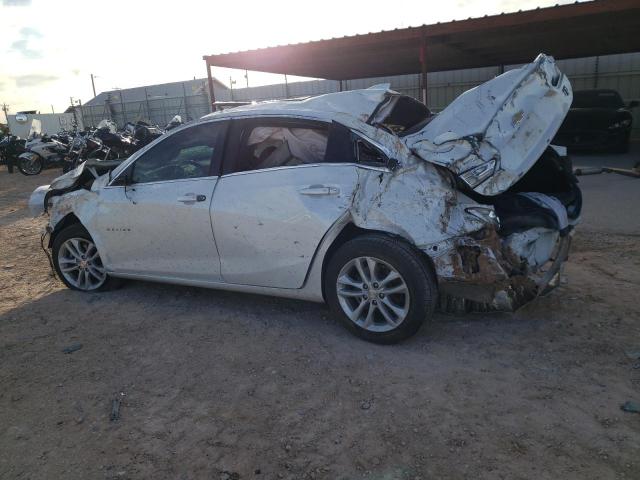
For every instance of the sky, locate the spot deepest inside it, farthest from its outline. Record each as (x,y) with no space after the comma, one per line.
(49,49)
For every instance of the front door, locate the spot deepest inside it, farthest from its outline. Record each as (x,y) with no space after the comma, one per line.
(154,219)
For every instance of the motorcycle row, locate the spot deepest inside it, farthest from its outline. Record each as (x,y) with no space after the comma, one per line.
(69,149)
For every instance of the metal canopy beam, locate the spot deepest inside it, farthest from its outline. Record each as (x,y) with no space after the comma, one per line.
(598,27)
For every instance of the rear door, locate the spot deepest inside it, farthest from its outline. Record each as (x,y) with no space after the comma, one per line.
(280,192)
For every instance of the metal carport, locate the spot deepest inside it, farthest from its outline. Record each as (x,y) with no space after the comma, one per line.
(598,27)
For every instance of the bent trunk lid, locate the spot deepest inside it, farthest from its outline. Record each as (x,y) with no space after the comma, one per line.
(504,124)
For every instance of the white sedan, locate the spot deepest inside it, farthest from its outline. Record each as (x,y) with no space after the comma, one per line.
(362,199)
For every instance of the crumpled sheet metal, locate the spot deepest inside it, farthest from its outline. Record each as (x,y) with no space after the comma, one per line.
(511,119)
(491,273)
(418,201)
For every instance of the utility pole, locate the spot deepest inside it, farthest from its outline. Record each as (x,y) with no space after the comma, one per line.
(52,110)
(93,85)
(5,109)
(246,76)
(73,110)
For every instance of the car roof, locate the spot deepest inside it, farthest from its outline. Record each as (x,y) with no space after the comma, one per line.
(358,104)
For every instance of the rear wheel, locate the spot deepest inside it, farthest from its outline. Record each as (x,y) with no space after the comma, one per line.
(78,263)
(380,287)
(30,166)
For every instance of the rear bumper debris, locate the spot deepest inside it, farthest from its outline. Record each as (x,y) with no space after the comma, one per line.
(485,274)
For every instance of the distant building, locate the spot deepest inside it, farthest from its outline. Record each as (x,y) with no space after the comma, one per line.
(20,124)
(187,88)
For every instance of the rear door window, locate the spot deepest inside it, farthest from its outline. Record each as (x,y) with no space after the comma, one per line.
(256,145)
(271,143)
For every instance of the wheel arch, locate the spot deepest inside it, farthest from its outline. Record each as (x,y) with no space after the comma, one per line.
(66,221)
(351,231)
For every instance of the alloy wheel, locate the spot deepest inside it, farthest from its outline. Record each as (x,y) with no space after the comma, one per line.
(80,264)
(373,294)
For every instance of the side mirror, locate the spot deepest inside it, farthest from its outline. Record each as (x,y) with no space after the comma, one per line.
(124,179)
(634,103)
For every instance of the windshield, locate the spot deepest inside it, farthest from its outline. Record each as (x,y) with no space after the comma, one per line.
(597,99)
(107,124)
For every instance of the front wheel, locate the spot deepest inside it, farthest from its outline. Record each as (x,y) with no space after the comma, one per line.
(31,165)
(380,287)
(78,263)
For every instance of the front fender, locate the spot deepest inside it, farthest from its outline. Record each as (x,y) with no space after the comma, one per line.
(29,156)
(82,203)
(36,200)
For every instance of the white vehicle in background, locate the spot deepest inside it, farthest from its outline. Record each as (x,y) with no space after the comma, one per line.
(362,199)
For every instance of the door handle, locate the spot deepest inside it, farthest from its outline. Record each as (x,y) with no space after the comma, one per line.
(319,190)
(192,197)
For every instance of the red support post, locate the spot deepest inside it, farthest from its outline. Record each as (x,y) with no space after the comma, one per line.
(423,65)
(212,94)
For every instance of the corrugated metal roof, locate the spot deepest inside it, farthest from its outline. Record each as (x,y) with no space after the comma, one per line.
(598,27)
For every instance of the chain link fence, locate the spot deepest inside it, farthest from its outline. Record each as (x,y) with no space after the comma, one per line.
(157,111)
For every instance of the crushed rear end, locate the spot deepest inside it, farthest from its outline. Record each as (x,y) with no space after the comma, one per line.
(494,140)
(521,251)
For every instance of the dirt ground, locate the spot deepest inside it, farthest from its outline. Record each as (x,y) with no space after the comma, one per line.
(217,385)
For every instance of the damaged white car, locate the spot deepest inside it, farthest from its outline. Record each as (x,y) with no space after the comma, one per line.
(362,199)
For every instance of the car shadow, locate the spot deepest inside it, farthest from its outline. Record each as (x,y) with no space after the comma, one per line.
(141,307)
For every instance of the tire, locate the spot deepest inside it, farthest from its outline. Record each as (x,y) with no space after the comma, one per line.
(30,168)
(417,279)
(89,274)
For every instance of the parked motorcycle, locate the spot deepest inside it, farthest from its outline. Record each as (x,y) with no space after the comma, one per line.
(120,144)
(41,152)
(106,143)
(85,146)
(11,147)
(143,133)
